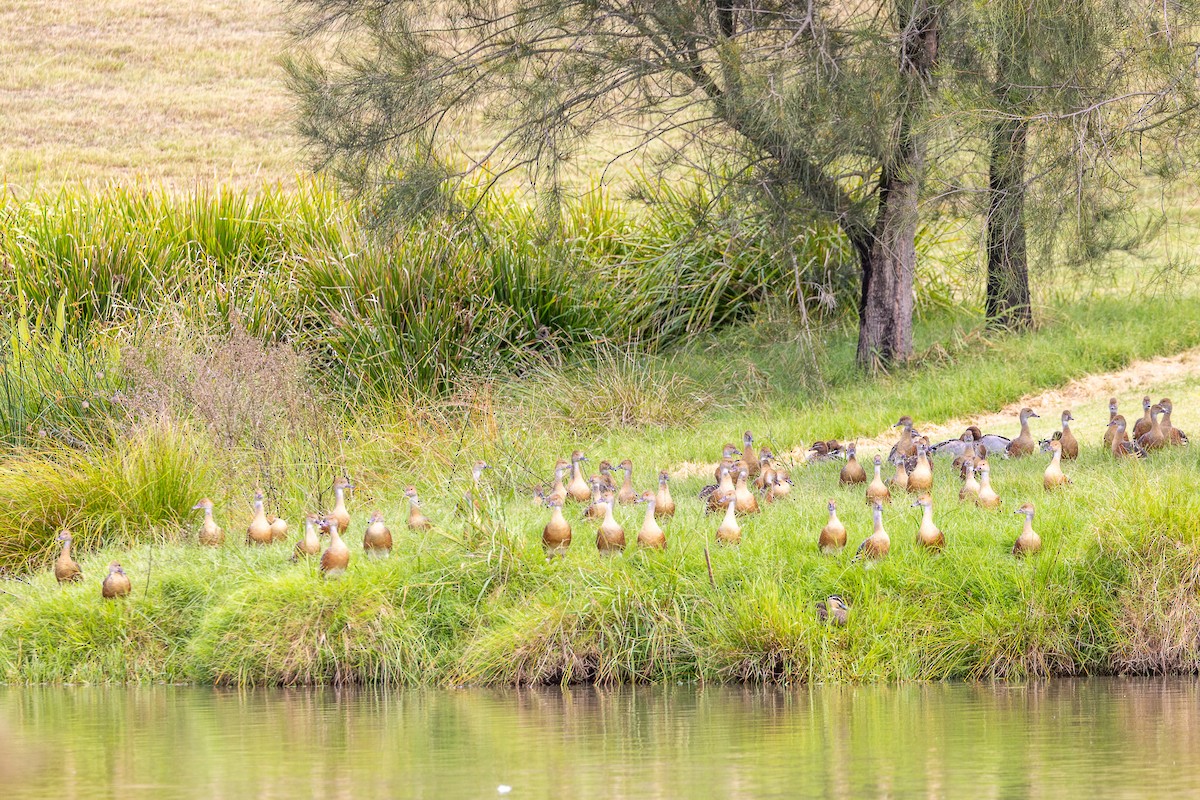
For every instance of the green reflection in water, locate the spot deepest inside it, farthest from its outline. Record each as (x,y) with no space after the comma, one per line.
(1094,738)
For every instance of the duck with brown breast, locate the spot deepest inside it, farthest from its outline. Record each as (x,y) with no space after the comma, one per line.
(1028,542)
(852,473)
(876,490)
(116,582)
(211,534)
(1174,435)
(664,505)
(578,489)
(1070,445)
(1024,444)
(651,535)
(66,570)
(610,536)
(1054,477)
(336,558)
(556,536)
(876,546)
(929,535)
(833,535)
(377,539)
(259,529)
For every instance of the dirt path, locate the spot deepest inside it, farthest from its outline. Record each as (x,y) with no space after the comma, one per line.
(1090,392)
(1127,385)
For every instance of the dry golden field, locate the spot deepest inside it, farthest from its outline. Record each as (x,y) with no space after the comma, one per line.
(171,91)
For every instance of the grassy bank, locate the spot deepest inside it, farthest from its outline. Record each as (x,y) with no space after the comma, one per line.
(475,601)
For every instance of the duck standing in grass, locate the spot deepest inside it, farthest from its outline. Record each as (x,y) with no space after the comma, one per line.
(852,473)
(729,531)
(833,608)
(875,547)
(556,536)
(929,535)
(988,498)
(651,535)
(417,521)
(746,502)
(920,479)
(340,513)
(1070,445)
(310,544)
(907,444)
(610,536)
(1142,426)
(833,535)
(1024,444)
(664,505)
(606,478)
(116,582)
(626,494)
(66,570)
(559,490)
(259,529)
(1122,447)
(1153,439)
(766,470)
(877,492)
(1053,478)
(1110,430)
(336,558)
(1173,434)
(211,534)
(779,488)
(748,455)
(899,480)
(377,539)
(1028,542)
(970,487)
(578,489)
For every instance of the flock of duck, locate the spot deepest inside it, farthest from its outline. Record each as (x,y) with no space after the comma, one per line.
(731,496)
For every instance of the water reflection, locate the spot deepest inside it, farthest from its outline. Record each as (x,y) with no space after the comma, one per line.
(1105,738)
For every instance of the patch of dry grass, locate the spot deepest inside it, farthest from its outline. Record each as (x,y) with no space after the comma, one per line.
(169,91)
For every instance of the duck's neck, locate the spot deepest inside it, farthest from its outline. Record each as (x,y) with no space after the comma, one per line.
(340,495)
(878,514)
(66,548)
(741,482)
(833,517)
(985,479)
(556,516)
(413,504)
(1024,425)
(649,520)
(558,475)
(628,476)
(1165,420)
(878,467)
(208,517)
(335,538)
(609,519)
(576,472)
(310,530)
(1056,459)
(476,474)
(927,515)
(258,508)
(731,514)
(1028,522)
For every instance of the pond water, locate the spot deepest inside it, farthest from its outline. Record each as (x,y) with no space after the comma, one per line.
(1095,738)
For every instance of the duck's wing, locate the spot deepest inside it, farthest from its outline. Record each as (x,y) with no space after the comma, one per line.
(707,490)
(955,447)
(994,443)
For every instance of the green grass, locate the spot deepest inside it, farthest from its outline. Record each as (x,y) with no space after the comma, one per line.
(476,601)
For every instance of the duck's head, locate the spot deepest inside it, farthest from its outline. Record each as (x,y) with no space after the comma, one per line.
(115,568)
(1066,417)
(747,439)
(904,422)
(577,456)
(63,536)
(1112,406)
(1156,409)
(1146,403)
(835,602)
(878,460)
(627,465)
(312,519)
(851,450)
(258,496)
(376,516)
(728,498)
(1117,422)
(1051,445)
(539,492)
(410,491)
(1165,405)
(1026,509)
(924,501)
(766,453)
(832,505)
(878,506)
(203,505)
(342,482)
(646,497)
(479,466)
(820,448)
(605,467)
(730,450)
(663,477)
(561,465)
(1027,412)
(978,434)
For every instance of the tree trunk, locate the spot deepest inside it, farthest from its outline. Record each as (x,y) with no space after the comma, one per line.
(889,267)
(885,324)
(1007,303)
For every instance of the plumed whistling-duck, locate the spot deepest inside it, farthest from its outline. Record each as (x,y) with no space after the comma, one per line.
(211,534)
(875,547)
(833,535)
(1054,477)
(116,582)
(1070,445)
(336,558)
(259,530)
(1023,445)
(877,491)
(556,536)
(853,472)
(651,534)
(377,539)
(1028,542)
(65,568)
(664,505)
(928,534)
